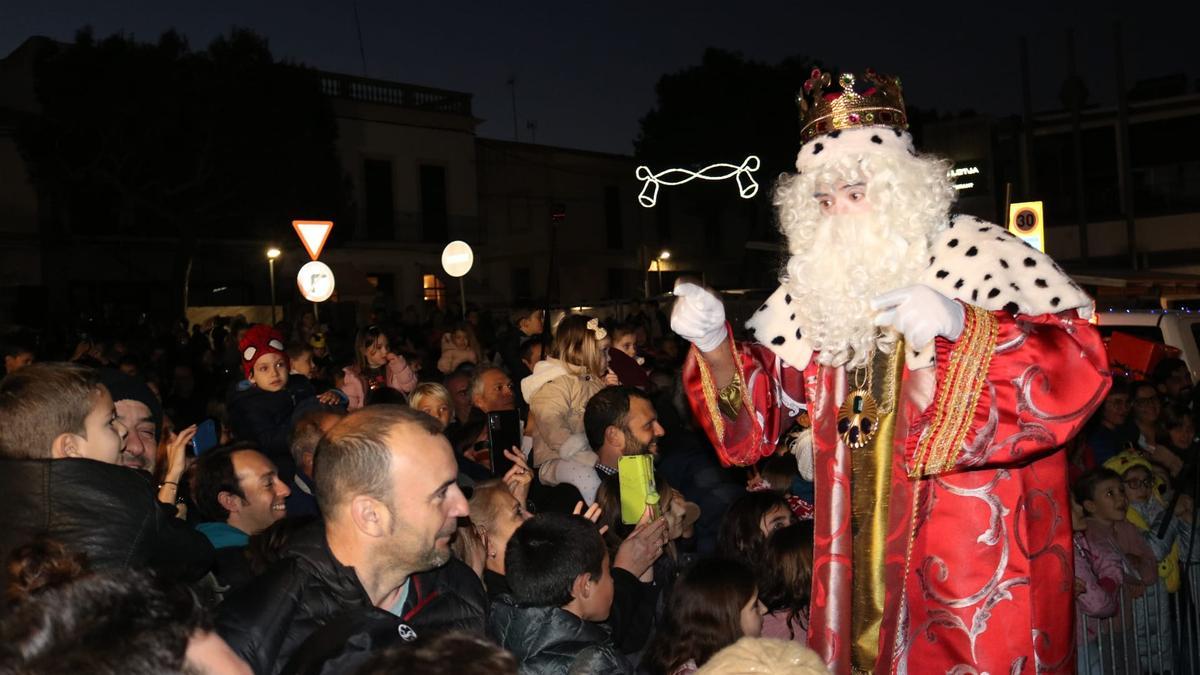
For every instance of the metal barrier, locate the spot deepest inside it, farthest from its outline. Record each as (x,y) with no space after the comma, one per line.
(1158,632)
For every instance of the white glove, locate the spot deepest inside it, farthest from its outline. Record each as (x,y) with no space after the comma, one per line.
(920,314)
(698,316)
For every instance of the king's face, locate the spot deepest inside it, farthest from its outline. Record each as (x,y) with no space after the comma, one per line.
(843,199)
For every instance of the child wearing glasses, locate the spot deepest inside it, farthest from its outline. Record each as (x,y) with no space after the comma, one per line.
(1146,511)
(1107,534)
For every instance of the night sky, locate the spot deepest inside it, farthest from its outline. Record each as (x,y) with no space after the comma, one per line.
(586,71)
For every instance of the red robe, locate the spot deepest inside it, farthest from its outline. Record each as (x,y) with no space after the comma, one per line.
(978,559)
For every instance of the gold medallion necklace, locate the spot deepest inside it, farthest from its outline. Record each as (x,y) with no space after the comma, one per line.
(858,416)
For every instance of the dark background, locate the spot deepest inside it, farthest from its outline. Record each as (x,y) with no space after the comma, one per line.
(586,72)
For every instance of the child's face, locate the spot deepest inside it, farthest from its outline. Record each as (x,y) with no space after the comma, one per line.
(628,344)
(751,616)
(377,352)
(436,407)
(460,340)
(598,604)
(531,325)
(1108,502)
(779,517)
(103,434)
(303,364)
(603,347)
(1182,435)
(270,372)
(1137,482)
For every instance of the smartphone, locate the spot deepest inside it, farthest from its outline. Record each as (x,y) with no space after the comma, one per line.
(205,439)
(504,433)
(638,487)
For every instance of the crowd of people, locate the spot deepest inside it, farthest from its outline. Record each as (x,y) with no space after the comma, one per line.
(234,500)
(1134,487)
(298,499)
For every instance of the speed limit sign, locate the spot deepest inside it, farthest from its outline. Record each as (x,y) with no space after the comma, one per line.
(1025,221)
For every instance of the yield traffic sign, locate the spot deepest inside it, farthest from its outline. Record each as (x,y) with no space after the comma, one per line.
(313,234)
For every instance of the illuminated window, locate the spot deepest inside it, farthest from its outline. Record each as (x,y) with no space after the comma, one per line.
(435,290)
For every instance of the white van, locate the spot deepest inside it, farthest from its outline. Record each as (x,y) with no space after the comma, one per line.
(1179,328)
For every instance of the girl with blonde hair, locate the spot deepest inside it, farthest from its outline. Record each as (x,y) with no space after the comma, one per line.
(558,392)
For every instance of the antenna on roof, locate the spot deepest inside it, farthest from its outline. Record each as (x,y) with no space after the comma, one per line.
(362,53)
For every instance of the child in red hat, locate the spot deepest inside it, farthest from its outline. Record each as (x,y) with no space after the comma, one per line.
(263,408)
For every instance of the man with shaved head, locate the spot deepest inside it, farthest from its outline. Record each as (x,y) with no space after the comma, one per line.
(377,567)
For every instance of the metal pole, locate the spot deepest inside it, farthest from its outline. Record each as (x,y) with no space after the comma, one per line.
(512,83)
(362,52)
(658,264)
(1075,93)
(1124,159)
(316,313)
(462,295)
(645,273)
(1007,203)
(1027,177)
(271,266)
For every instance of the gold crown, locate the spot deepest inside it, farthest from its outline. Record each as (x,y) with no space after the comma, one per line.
(879,103)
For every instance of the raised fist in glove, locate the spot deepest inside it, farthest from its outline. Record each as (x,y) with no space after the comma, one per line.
(920,314)
(698,316)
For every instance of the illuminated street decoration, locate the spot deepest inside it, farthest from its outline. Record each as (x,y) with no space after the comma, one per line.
(747,186)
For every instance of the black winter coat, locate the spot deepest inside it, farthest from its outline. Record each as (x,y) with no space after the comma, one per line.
(271,621)
(631,620)
(267,417)
(108,512)
(553,641)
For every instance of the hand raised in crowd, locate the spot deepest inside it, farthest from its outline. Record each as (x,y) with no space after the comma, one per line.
(480,453)
(593,514)
(519,478)
(611,379)
(698,316)
(643,546)
(174,449)
(330,397)
(174,453)
(1162,455)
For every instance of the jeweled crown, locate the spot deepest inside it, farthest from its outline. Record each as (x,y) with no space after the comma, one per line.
(875,100)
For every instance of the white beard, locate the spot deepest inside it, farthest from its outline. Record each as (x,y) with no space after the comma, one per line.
(851,259)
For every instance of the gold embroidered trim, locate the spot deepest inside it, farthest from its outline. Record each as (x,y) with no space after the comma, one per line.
(958,394)
(731,395)
(710,393)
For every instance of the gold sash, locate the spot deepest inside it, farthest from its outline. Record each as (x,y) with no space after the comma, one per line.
(870,492)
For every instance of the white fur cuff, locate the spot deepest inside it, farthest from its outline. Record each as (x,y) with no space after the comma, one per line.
(860,141)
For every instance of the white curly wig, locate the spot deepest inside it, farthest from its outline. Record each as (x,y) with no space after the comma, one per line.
(839,262)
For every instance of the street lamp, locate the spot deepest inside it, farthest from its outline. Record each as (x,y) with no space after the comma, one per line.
(665,255)
(272,254)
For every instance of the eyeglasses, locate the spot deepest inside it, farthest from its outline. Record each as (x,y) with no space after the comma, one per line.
(1135,483)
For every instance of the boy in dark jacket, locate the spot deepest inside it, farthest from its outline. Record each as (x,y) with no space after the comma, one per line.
(558,568)
(60,440)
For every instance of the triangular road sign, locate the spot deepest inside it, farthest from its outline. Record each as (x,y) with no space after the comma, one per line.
(313,234)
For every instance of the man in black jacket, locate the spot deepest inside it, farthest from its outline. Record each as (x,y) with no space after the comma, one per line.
(60,440)
(378,568)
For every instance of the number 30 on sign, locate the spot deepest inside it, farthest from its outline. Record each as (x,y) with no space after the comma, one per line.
(1025,221)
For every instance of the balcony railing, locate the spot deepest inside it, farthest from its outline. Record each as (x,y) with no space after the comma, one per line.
(395,93)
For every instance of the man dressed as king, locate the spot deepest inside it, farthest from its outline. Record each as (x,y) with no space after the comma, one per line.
(942,363)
